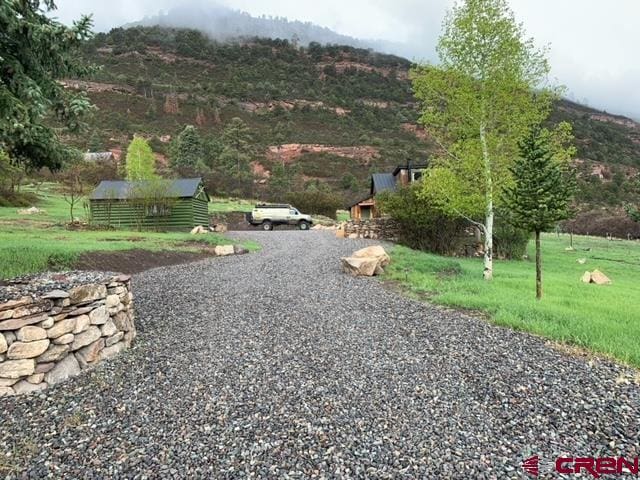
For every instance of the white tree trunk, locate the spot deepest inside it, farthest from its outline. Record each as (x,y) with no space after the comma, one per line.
(488,223)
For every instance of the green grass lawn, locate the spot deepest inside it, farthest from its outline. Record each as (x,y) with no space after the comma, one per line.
(226,205)
(343,215)
(604,319)
(33,243)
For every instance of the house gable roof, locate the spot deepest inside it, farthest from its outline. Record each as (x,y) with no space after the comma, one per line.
(409,167)
(121,189)
(381,182)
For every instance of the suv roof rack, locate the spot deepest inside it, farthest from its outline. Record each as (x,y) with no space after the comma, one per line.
(273,205)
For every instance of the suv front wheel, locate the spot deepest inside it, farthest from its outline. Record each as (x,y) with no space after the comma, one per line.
(303,225)
(267,225)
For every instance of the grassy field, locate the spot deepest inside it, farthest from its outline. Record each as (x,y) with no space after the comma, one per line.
(604,319)
(226,205)
(33,243)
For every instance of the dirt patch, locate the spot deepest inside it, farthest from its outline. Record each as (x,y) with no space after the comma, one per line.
(290,152)
(137,260)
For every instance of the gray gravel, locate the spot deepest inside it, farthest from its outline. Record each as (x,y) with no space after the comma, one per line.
(277,365)
(38,284)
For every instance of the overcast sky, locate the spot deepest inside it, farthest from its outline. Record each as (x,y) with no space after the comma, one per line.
(594,44)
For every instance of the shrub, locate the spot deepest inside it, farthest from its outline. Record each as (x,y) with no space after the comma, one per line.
(316,202)
(603,222)
(509,242)
(421,226)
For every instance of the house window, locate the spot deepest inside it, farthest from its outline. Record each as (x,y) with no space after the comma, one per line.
(156,210)
(416,175)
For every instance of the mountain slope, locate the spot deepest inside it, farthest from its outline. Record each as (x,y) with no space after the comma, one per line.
(222,23)
(343,111)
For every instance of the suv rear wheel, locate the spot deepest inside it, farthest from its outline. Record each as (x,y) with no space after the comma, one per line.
(303,225)
(267,225)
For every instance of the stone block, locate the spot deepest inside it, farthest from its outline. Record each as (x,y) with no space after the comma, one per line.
(26,387)
(100,315)
(33,309)
(22,350)
(87,293)
(90,353)
(35,378)
(108,328)
(112,301)
(18,323)
(82,323)
(48,323)
(54,353)
(110,352)
(114,339)
(85,338)
(12,304)
(17,368)
(65,369)
(65,339)
(6,391)
(62,328)
(44,367)
(31,334)
(56,294)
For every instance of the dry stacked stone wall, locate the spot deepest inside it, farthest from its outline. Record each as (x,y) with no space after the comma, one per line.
(53,326)
(382,228)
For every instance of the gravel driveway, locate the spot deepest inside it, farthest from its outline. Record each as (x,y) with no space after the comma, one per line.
(277,365)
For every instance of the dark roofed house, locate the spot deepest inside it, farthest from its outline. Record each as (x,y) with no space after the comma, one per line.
(382,182)
(182,204)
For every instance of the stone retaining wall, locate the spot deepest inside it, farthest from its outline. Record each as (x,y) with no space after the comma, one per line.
(49,336)
(382,228)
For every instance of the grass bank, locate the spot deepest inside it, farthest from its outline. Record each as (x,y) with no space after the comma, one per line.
(604,319)
(33,243)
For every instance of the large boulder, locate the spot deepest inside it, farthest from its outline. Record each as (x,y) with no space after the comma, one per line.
(360,267)
(199,230)
(366,262)
(596,277)
(374,251)
(224,250)
(599,278)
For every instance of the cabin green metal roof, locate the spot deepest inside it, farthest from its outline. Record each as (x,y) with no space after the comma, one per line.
(121,190)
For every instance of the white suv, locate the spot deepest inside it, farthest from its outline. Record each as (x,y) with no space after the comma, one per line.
(267,216)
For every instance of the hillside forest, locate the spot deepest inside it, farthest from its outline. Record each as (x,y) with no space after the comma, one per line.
(267,117)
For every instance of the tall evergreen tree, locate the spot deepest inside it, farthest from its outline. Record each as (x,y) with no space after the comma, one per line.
(236,135)
(35,52)
(238,147)
(542,191)
(188,150)
(140,162)
(633,212)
